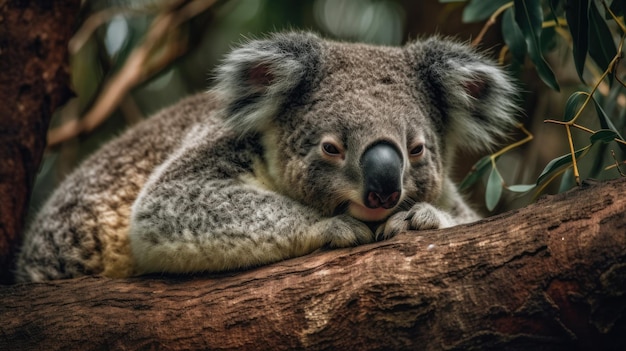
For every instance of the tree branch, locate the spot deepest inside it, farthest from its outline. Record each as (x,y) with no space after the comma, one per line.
(549,276)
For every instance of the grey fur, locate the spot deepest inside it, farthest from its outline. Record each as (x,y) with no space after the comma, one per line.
(237,177)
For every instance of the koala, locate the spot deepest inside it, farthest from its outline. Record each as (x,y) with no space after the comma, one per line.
(302,143)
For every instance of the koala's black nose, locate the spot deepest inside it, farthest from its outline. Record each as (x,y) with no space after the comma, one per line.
(382,167)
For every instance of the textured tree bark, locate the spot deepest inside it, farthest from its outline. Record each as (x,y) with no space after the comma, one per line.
(549,276)
(34,81)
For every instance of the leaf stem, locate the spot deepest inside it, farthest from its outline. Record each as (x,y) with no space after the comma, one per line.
(490,22)
(617,164)
(573,152)
(508,148)
(583,128)
(561,23)
(615,18)
(545,184)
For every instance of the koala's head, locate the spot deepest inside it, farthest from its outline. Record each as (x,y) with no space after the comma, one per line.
(362,129)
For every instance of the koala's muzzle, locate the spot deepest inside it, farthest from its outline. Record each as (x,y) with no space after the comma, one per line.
(382,167)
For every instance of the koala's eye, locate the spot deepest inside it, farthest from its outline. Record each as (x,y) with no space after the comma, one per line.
(417,150)
(331,149)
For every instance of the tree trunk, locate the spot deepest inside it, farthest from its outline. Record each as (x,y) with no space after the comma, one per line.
(549,276)
(34,81)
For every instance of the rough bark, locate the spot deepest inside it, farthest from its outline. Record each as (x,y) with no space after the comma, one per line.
(549,276)
(34,81)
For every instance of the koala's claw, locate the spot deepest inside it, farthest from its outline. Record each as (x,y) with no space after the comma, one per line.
(421,216)
(424,216)
(394,225)
(346,231)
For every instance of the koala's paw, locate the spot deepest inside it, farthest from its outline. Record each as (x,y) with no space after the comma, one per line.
(421,216)
(345,231)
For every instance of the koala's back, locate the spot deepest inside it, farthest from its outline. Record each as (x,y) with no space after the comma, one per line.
(87,217)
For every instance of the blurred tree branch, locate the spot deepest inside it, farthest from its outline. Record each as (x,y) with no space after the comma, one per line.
(164,42)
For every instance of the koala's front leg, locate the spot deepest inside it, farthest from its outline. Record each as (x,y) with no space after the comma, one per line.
(184,225)
(421,216)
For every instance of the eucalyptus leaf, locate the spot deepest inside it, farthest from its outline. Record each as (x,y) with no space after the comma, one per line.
(567,180)
(573,105)
(603,135)
(494,189)
(529,17)
(480,10)
(476,172)
(578,23)
(609,102)
(513,36)
(521,188)
(559,162)
(601,45)
(606,123)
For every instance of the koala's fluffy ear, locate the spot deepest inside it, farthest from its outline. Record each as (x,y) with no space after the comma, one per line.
(256,79)
(475,97)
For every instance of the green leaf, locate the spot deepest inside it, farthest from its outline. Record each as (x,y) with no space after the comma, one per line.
(601,45)
(559,162)
(573,105)
(513,36)
(578,22)
(480,10)
(529,17)
(476,172)
(606,123)
(494,189)
(603,135)
(567,180)
(521,188)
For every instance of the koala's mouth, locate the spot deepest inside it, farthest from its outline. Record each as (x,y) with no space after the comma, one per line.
(366,214)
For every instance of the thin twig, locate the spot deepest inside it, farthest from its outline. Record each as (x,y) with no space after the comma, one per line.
(615,18)
(573,152)
(541,187)
(529,137)
(617,164)
(490,22)
(578,126)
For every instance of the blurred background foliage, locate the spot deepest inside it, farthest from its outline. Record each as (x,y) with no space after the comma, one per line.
(130,58)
